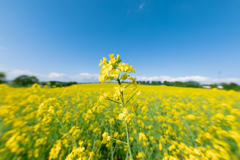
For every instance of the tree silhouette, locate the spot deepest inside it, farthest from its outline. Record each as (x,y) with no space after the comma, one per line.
(2,77)
(26,80)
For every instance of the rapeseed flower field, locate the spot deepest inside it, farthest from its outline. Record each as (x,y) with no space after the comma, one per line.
(118,121)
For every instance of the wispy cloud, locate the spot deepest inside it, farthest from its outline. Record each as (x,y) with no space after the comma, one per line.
(142,5)
(12,73)
(200,79)
(87,77)
(81,77)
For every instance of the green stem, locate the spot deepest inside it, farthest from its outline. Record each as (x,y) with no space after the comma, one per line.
(111,135)
(66,131)
(128,142)
(128,85)
(118,140)
(130,98)
(114,101)
(119,81)
(126,125)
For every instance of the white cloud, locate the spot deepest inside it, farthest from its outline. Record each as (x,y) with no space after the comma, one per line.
(19,72)
(86,77)
(142,5)
(56,75)
(12,73)
(168,78)
(200,79)
(81,77)
(235,80)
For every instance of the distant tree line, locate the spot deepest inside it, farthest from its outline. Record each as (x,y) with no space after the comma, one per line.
(176,83)
(2,77)
(193,84)
(58,83)
(27,81)
(227,86)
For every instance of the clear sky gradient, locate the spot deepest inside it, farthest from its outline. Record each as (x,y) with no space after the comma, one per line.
(162,39)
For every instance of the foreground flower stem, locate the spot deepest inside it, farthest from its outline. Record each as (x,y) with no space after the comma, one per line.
(126,125)
(112,152)
(66,131)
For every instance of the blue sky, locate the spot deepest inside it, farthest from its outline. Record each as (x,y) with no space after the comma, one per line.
(162,39)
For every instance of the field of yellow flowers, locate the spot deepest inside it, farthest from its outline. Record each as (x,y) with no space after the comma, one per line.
(118,121)
(69,123)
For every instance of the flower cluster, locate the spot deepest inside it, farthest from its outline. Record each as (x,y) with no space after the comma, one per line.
(110,70)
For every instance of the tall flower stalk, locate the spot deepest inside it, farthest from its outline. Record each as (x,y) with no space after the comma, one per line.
(114,70)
